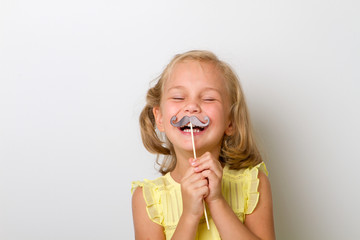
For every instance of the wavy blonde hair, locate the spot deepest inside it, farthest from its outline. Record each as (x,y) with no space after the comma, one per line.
(238,150)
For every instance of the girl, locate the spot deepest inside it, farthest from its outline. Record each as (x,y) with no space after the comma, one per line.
(228,174)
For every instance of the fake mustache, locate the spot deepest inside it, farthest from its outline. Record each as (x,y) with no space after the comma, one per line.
(186,119)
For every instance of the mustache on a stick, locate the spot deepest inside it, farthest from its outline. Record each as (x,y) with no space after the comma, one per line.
(193,120)
(186,119)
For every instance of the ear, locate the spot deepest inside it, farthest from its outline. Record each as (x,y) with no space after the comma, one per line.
(158,118)
(229,130)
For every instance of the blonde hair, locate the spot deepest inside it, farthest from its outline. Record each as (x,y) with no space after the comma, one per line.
(238,150)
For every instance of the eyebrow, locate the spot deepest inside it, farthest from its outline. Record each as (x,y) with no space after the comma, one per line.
(203,90)
(176,87)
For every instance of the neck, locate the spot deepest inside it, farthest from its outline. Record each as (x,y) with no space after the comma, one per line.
(182,165)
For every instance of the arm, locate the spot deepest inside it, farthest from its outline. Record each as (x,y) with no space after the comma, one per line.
(144,227)
(263,214)
(186,228)
(193,190)
(258,225)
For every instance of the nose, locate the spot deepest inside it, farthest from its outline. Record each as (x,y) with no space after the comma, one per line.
(192,107)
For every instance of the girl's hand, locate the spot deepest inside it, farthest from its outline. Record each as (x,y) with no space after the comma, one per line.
(211,169)
(194,188)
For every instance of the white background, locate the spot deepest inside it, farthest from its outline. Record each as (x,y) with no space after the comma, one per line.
(73,78)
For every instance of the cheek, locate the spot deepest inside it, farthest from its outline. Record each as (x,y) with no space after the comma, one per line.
(218,115)
(215,111)
(169,110)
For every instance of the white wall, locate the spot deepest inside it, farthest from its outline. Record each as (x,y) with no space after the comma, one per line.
(73,76)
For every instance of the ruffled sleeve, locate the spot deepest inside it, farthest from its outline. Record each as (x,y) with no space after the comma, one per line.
(251,186)
(152,199)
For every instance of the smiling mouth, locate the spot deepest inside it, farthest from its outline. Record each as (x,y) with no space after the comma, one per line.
(187,128)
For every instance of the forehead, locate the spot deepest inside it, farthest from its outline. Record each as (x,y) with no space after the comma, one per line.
(195,72)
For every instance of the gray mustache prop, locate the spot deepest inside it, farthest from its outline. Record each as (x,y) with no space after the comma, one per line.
(186,119)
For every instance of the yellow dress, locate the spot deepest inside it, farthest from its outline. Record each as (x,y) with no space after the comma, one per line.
(164,202)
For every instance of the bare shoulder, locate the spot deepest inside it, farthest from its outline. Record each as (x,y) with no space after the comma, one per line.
(261,221)
(144,227)
(138,198)
(264,184)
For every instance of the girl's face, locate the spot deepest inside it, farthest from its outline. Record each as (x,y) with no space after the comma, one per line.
(195,88)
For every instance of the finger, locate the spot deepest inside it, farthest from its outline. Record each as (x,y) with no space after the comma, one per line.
(204,191)
(199,184)
(203,158)
(201,193)
(194,189)
(210,175)
(192,179)
(195,177)
(189,172)
(206,157)
(212,165)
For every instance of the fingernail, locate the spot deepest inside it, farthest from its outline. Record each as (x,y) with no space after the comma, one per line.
(193,163)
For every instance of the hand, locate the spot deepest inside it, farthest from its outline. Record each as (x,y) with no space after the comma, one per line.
(211,169)
(194,188)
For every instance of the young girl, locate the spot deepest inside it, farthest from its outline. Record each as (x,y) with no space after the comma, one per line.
(228,173)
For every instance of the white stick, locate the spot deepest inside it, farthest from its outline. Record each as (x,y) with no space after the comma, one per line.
(192,139)
(193,145)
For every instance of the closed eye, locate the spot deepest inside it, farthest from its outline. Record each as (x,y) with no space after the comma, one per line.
(178,98)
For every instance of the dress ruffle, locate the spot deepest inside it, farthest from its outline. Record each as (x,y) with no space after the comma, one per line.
(152,199)
(164,202)
(252,187)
